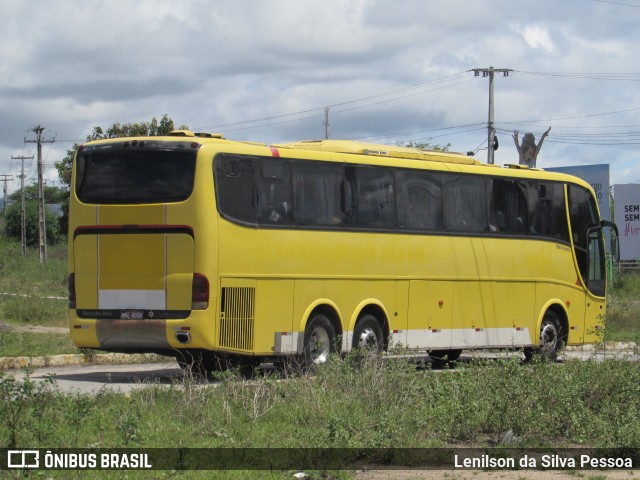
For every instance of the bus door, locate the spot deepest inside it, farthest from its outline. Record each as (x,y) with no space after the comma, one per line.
(588,244)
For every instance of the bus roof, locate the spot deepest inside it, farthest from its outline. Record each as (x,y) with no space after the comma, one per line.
(380,150)
(365,149)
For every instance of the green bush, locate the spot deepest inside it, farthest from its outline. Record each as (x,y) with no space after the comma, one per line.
(14,222)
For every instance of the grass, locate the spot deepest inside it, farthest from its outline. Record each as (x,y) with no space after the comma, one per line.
(623,309)
(19,344)
(347,404)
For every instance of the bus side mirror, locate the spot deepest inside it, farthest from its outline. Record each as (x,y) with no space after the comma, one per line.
(615,239)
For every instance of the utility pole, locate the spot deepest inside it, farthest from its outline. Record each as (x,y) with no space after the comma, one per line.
(42,231)
(5,179)
(326,123)
(491,133)
(23,222)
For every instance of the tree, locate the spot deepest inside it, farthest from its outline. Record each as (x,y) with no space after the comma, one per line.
(51,194)
(13,224)
(152,128)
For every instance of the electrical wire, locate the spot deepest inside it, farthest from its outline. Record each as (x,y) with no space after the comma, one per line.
(398,94)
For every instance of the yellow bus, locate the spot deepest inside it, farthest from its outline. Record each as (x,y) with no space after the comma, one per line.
(203,248)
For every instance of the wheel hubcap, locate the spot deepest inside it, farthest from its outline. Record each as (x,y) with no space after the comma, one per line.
(368,339)
(319,346)
(548,337)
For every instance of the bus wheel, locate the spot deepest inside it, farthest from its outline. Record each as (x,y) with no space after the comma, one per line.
(319,340)
(550,339)
(368,334)
(444,356)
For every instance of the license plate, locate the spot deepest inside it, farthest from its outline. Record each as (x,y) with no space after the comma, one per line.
(131,315)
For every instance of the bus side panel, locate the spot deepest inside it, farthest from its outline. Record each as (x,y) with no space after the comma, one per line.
(472,327)
(594,319)
(399,317)
(179,276)
(348,295)
(274,312)
(85,248)
(514,311)
(85,255)
(430,314)
(511,264)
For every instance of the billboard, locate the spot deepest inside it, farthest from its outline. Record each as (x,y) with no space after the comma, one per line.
(598,177)
(627,216)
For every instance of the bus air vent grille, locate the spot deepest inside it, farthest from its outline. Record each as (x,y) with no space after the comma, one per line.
(236,318)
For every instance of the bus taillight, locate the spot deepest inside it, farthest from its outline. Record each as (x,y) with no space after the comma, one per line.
(72,290)
(199,292)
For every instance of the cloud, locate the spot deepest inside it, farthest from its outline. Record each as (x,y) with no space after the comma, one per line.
(536,37)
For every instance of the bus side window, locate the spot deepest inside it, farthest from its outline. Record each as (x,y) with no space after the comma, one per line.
(547,210)
(236,188)
(274,193)
(419,200)
(508,212)
(317,194)
(465,203)
(375,197)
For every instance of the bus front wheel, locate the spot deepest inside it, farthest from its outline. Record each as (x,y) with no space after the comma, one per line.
(551,339)
(319,340)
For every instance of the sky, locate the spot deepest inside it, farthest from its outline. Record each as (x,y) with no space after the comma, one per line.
(389,71)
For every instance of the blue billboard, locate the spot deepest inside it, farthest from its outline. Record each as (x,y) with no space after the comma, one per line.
(598,177)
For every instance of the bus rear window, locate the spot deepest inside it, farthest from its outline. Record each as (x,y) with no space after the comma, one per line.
(134,176)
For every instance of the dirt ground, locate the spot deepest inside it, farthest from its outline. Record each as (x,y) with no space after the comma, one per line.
(32,328)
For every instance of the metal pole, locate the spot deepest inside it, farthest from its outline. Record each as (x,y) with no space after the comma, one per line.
(23,223)
(326,123)
(490,129)
(42,232)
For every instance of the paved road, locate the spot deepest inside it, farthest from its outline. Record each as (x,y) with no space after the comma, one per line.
(125,378)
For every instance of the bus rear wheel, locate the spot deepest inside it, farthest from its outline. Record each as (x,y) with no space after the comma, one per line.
(319,341)
(368,334)
(551,339)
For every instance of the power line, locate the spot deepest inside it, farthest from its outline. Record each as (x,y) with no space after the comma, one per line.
(617,3)
(398,94)
(619,76)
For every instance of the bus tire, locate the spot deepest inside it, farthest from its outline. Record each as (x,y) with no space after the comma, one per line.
(368,334)
(551,342)
(319,340)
